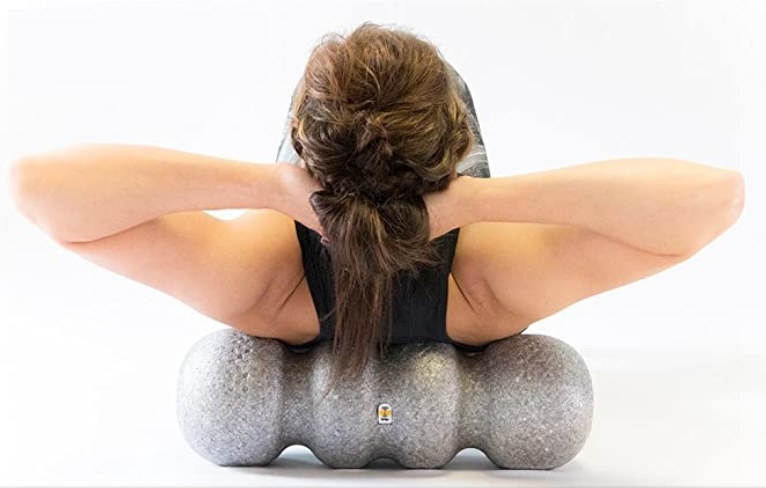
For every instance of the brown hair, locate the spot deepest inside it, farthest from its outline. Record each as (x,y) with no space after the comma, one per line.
(378,122)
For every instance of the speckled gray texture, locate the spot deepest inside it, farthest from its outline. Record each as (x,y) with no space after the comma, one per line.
(526,402)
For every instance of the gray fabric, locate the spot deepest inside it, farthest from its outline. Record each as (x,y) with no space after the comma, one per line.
(526,402)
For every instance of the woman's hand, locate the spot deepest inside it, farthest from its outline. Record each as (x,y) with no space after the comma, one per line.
(447,209)
(452,208)
(293,187)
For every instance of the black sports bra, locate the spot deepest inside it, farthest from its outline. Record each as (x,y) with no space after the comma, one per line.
(420,305)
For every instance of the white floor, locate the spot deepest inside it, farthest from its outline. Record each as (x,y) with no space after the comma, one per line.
(84,405)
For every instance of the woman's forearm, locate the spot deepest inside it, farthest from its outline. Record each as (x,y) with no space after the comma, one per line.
(662,205)
(89,191)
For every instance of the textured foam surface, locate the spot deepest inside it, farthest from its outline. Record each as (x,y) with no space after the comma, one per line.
(526,402)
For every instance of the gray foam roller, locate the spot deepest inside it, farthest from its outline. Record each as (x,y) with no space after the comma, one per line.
(526,402)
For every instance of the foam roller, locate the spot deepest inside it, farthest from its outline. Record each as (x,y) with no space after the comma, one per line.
(526,402)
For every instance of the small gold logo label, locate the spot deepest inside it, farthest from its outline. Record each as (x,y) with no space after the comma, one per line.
(384,413)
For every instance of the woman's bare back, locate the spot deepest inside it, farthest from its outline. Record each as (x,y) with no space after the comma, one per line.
(470,310)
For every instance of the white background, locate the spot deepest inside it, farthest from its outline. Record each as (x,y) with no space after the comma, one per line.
(89,359)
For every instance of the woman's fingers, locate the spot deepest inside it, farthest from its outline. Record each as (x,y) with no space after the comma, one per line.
(295,189)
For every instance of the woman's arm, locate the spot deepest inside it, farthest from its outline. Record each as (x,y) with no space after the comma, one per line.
(89,191)
(662,205)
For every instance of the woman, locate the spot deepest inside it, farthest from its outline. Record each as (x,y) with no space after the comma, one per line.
(384,225)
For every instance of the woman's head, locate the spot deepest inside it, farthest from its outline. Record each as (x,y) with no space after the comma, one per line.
(378,122)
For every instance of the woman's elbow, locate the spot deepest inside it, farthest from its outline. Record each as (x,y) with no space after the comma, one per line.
(730,208)
(17,177)
(22,183)
(736,197)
